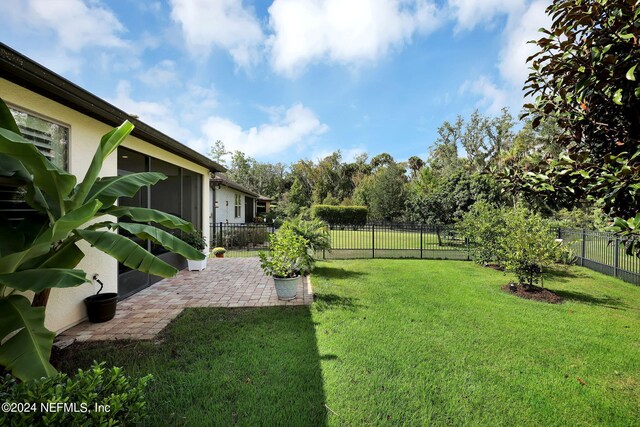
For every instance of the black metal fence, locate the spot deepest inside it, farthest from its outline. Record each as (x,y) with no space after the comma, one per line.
(602,252)
(596,250)
(378,240)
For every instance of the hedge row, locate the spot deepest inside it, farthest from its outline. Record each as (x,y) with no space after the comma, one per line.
(352,215)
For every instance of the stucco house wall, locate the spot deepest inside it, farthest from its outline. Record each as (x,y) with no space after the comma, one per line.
(65,307)
(225,211)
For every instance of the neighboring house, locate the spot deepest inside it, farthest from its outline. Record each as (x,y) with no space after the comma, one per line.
(67,122)
(231,203)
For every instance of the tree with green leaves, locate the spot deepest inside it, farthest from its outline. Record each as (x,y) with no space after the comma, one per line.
(43,252)
(217,152)
(585,76)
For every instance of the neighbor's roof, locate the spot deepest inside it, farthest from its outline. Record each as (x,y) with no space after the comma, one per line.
(224,180)
(27,73)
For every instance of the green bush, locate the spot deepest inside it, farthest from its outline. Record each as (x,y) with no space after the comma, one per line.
(195,239)
(483,226)
(316,234)
(528,245)
(109,388)
(352,215)
(518,240)
(287,256)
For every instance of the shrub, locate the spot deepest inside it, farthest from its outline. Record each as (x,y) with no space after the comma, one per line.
(516,239)
(353,215)
(528,245)
(484,227)
(195,240)
(218,251)
(287,256)
(111,388)
(315,232)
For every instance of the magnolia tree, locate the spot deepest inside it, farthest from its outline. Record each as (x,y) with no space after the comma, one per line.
(585,76)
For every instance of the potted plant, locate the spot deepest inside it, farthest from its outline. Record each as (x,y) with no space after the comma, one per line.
(285,261)
(219,252)
(198,242)
(101,307)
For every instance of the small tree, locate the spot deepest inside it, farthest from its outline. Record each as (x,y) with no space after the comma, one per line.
(527,246)
(484,228)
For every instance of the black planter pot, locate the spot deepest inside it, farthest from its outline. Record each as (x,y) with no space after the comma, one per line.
(101,307)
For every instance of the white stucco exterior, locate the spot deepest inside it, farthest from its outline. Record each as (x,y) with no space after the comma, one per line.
(225,202)
(66,307)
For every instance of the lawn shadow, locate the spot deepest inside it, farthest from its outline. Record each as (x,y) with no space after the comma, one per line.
(337,273)
(219,366)
(603,301)
(563,274)
(325,301)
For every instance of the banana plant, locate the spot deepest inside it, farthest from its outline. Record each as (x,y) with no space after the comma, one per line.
(42,252)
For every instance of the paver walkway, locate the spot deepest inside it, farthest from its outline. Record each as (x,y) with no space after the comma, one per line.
(226,282)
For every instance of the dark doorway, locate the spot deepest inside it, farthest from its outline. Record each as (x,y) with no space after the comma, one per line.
(248,210)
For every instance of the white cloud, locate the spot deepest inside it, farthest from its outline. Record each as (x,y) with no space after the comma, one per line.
(347,32)
(221,23)
(492,98)
(160,74)
(159,115)
(76,24)
(296,126)
(522,28)
(471,13)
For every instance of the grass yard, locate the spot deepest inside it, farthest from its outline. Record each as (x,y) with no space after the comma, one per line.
(399,342)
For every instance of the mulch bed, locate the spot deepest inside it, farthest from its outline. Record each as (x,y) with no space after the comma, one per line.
(497,267)
(533,292)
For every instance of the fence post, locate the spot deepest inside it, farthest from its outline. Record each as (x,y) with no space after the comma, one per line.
(373,240)
(559,232)
(616,258)
(220,241)
(584,240)
(421,237)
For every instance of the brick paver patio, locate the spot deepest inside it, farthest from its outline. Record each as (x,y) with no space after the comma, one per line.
(226,282)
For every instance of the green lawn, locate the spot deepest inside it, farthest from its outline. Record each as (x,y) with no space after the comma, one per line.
(399,342)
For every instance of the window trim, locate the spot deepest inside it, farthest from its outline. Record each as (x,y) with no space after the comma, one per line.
(238,205)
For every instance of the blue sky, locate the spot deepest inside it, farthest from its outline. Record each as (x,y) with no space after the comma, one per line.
(287,79)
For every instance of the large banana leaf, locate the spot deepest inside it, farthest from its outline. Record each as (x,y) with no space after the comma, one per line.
(161,237)
(6,118)
(45,240)
(42,278)
(108,144)
(68,255)
(127,252)
(107,190)
(26,354)
(50,178)
(151,215)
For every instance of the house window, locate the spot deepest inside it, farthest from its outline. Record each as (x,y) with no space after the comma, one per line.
(238,209)
(52,139)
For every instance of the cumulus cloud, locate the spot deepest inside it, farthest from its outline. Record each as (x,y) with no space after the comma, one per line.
(292,128)
(506,91)
(76,24)
(347,32)
(492,97)
(470,13)
(156,114)
(225,24)
(522,28)
(160,74)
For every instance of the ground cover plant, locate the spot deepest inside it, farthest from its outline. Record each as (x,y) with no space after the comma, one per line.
(402,342)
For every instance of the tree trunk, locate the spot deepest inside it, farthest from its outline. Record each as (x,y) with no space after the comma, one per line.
(41,298)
